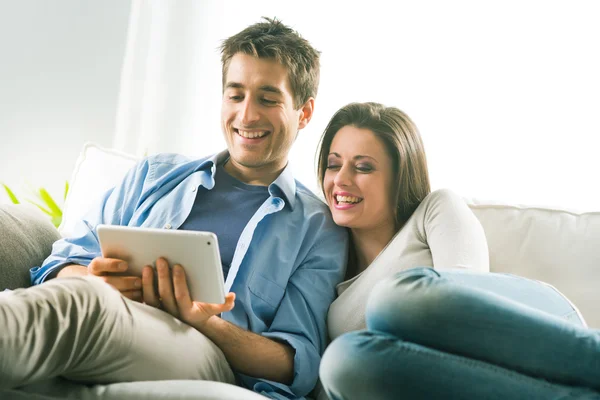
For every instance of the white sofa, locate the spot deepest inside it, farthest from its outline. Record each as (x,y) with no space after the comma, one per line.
(559,247)
(555,246)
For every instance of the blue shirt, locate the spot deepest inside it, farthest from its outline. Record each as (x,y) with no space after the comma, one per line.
(288,260)
(225,210)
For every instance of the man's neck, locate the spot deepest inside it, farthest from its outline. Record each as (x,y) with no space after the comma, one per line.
(260,176)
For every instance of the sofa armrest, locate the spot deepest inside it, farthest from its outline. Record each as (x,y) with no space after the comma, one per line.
(26,238)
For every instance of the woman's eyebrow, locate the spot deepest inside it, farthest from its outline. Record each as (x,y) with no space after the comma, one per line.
(360,156)
(356,157)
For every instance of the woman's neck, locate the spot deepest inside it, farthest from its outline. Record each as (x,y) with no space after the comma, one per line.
(368,244)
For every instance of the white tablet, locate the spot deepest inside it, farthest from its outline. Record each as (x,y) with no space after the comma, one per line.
(196,252)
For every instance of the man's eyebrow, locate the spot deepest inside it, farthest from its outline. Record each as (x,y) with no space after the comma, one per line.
(271,89)
(357,157)
(234,85)
(264,88)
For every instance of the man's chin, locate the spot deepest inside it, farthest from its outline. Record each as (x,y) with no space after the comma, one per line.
(248,161)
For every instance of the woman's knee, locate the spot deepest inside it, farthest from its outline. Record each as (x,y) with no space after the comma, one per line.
(406,301)
(350,364)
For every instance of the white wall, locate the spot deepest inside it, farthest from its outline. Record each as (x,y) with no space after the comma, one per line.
(60,63)
(505,93)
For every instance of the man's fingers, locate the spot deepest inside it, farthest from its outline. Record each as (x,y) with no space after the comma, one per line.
(182,293)
(148,291)
(102,266)
(135,295)
(165,287)
(215,309)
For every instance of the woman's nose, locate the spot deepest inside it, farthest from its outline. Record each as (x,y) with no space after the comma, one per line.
(342,178)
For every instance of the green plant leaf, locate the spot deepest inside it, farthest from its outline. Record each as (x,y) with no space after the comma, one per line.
(56,220)
(66,190)
(49,202)
(11,195)
(44,210)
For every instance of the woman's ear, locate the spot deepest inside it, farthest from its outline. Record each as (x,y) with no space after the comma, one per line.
(306,113)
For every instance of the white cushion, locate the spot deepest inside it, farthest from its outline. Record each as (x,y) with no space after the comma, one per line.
(97,170)
(555,246)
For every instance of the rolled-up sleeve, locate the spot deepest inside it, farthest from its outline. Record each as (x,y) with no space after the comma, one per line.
(300,320)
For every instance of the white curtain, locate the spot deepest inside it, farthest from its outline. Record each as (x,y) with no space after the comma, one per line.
(161,78)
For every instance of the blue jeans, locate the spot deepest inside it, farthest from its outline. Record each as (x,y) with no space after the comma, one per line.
(455,334)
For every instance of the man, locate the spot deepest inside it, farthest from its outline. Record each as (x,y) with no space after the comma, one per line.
(282,254)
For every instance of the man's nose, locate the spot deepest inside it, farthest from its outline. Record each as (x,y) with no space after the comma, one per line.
(249,112)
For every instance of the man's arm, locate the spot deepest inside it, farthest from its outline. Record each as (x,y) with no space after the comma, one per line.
(251,354)
(71,254)
(71,270)
(300,322)
(246,352)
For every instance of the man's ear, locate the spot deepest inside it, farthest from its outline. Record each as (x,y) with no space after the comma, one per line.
(306,113)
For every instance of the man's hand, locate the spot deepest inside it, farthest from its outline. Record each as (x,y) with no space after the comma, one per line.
(106,269)
(174,295)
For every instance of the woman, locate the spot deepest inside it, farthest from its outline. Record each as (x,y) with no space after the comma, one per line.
(453,331)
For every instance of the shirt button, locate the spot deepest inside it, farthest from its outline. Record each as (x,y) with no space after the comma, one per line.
(193,189)
(168,226)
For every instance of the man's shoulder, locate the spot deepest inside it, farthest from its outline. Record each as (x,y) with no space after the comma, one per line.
(164,163)
(172,159)
(309,199)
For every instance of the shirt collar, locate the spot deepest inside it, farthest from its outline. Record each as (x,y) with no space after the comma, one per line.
(284,186)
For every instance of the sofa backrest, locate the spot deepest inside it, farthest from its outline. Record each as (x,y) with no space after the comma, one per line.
(555,246)
(558,247)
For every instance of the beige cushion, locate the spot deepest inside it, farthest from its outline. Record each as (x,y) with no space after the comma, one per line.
(26,240)
(555,246)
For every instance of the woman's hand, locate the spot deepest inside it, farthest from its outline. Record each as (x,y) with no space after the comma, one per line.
(174,296)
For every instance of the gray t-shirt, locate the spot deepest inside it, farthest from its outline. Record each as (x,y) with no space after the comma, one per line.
(225,210)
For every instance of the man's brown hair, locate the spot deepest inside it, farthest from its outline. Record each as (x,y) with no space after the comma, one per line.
(271,39)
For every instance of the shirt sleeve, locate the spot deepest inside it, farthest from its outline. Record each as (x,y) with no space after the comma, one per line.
(453,233)
(301,318)
(115,207)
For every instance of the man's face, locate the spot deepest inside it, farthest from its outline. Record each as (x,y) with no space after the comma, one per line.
(257,114)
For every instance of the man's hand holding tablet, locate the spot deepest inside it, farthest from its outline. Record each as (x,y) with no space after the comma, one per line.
(174,297)
(193,295)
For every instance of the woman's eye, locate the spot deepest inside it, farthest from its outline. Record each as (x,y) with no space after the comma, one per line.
(235,98)
(364,168)
(333,166)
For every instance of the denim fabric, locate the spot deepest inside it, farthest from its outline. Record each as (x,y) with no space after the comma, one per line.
(455,334)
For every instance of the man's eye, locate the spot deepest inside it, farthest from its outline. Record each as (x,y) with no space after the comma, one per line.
(235,98)
(269,102)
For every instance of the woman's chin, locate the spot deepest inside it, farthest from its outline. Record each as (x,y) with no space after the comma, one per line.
(345,222)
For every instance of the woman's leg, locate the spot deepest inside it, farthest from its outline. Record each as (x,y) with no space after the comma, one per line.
(489,317)
(82,329)
(376,366)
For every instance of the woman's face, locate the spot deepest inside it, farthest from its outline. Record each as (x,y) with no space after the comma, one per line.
(358,182)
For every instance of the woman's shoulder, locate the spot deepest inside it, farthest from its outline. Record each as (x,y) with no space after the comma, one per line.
(442,195)
(440,200)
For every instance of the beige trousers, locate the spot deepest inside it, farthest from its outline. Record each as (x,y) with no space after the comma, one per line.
(84,330)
